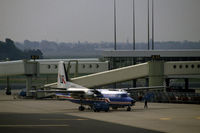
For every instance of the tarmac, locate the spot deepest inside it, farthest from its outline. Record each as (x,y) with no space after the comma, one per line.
(31,115)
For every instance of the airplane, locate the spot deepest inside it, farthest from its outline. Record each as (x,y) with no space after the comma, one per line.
(96,99)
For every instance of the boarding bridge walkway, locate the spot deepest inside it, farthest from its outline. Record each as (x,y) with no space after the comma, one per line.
(156,71)
(113,76)
(50,66)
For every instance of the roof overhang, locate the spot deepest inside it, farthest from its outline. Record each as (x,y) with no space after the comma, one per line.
(149,53)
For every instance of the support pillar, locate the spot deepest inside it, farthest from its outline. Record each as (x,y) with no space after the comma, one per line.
(28,84)
(134,81)
(8,89)
(167,82)
(31,69)
(146,82)
(186,83)
(156,73)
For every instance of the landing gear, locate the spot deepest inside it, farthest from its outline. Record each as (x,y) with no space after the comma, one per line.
(128,108)
(115,108)
(81,108)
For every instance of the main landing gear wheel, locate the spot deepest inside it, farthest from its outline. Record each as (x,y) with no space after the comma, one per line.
(129,108)
(81,108)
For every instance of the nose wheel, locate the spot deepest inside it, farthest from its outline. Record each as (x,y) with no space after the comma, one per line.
(81,108)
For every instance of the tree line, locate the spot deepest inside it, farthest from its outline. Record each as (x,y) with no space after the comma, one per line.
(8,51)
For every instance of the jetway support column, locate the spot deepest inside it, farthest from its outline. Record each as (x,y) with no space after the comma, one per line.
(167,83)
(134,83)
(28,84)
(31,69)
(146,82)
(156,73)
(8,89)
(186,83)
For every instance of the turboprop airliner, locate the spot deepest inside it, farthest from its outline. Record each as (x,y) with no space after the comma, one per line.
(91,97)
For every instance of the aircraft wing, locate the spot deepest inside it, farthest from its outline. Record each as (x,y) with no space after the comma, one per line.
(53,85)
(60,90)
(146,88)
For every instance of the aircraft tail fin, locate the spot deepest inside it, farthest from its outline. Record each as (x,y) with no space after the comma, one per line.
(62,75)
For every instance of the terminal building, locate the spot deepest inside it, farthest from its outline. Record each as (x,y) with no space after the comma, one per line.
(120,58)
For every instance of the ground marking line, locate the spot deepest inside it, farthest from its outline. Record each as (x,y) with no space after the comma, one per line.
(165,118)
(33,125)
(61,119)
(198,118)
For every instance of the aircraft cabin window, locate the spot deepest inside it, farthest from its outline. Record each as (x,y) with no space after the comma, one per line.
(49,66)
(90,66)
(186,66)
(83,66)
(192,66)
(180,66)
(174,66)
(198,66)
(55,66)
(97,66)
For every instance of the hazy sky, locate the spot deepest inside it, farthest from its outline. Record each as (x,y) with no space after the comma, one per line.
(92,20)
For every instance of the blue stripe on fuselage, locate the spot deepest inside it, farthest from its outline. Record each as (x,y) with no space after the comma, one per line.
(113,101)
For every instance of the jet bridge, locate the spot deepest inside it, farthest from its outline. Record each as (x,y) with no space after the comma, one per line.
(113,76)
(158,73)
(34,68)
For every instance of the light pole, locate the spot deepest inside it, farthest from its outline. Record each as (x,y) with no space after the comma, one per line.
(148,23)
(115,45)
(133,24)
(152,24)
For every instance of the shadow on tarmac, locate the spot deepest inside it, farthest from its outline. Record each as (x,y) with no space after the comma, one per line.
(62,123)
(75,110)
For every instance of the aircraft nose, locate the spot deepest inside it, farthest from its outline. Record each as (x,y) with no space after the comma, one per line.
(132,102)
